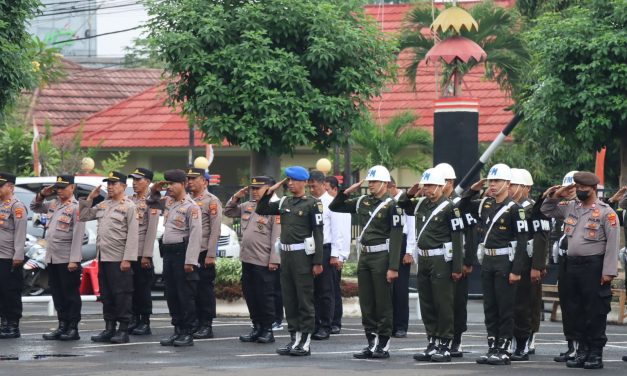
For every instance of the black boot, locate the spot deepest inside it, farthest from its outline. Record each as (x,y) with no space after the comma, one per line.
(265,334)
(3,324)
(568,354)
(204,330)
(121,336)
(531,344)
(366,352)
(594,361)
(184,339)
(302,347)
(625,358)
(456,346)
(381,350)
(252,336)
(143,326)
(12,330)
(444,352)
(501,356)
(285,350)
(71,334)
(426,354)
(322,334)
(133,323)
(483,359)
(520,354)
(105,335)
(580,358)
(169,341)
(55,334)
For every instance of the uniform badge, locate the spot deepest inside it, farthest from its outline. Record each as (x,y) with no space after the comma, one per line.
(250,209)
(502,220)
(260,226)
(596,213)
(378,215)
(611,218)
(399,211)
(320,207)
(68,209)
(300,213)
(457,212)
(262,221)
(245,217)
(521,213)
(214,209)
(195,213)
(19,213)
(101,205)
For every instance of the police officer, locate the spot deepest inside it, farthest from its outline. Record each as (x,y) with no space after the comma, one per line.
(260,262)
(503,249)
(117,248)
(64,240)
(301,255)
(143,269)
(211,213)
(12,238)
(379,245)
(342,222)
(179,248)
(440,257)
(593,239)
(460,302)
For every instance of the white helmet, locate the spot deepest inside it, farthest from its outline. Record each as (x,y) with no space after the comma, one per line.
(527,177)
(500,171)
(569,179)
(518,177)
(378,173)
(447,171)
(433,176)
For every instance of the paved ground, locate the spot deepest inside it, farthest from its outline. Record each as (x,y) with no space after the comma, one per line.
(30,355)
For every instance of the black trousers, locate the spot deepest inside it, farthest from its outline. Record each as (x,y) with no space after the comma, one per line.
(205,294)
(563,290)
(588,300)
(116,291)
(324,299)
(65,291)
(180,287)
(278,298)
(499,296)
(522,308)
(337,295)
(258,288)
(460,303)
(400,293)
(10,290)
(142,284)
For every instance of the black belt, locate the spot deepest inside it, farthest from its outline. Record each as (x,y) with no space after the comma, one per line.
(582,260)
(172,247)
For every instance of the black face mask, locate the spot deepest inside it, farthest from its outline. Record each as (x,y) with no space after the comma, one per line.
(583,195)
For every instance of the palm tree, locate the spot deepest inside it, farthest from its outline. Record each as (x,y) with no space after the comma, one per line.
(386,144)
(499,35)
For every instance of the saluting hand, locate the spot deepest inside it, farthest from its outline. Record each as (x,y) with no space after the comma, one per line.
(414,191)
(94,193)
(353,188)
(549,192)
(618,195)
(275,187)
(478,186)
(565,192)
(241,193)
(158,186)
(47,191)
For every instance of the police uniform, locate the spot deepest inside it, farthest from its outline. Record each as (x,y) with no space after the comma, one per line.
(507,237)
(13,219)
(593,241)
(211,213)
(380,245)
(301,218)
(64,240)
(179,246)
(116,242)
(259,233)
(148,219)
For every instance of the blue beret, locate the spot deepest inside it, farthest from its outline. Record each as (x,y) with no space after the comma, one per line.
(297,173)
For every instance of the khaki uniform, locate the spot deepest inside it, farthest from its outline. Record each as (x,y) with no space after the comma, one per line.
(13,220)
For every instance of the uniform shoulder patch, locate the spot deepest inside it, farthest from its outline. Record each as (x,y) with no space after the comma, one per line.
(457,213)
(19,212)
(195,213)
(399,211)
(214,209)
(612,219)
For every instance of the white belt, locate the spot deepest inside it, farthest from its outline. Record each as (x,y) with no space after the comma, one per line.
(432,252)
(562,252)
(375,248)
(292,247)
(497,251)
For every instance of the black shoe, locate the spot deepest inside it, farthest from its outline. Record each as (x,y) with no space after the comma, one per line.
(12,330)
(55,334)
(501,356)
(252,336)
(580,358)
(568,354)
(625,358)
(3,324)
(594,361)
(400,334)
(133,323)
(426,354)
(443,354)
(483,359)
(302,347)
(456,346)
(143,326)
(105,335)
(366,352)
(121,336)
(321,334)
(531,344)
(335,329)
(204,331)
(184,339)
(520,355)
(169,341)
(265,335)
(71,334)
(285,350)
(381,349)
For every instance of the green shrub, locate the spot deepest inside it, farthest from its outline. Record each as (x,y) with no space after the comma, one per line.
(349,269)
(228,271)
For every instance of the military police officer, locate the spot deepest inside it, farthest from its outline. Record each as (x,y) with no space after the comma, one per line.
(143,270)
(179,248)
(117,248)
(593,239)
(260,262)
(12,238)
(64,240)
(440,257)
(301,255)
(379,245)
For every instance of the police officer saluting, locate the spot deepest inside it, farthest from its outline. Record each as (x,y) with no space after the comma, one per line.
(143,270)
(591,227)
(117,248)
(379,245)
(259,260)
(64,240)
(12,236)
(180,248)
(301,255)
(440,257)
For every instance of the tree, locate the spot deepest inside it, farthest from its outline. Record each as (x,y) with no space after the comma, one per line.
(498,35)
(271,75)
(579,78)
(388,144)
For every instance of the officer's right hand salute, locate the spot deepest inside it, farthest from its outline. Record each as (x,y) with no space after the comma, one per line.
(94,193)
(353,188)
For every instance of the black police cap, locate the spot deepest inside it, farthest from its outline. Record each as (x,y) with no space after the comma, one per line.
(175,176)
(140,173)
(6,177)
(115,176)
(63,181)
